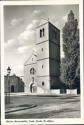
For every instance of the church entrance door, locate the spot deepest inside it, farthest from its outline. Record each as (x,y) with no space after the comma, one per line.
(33,88)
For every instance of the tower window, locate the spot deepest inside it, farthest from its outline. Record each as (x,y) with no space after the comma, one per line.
(42,32)
(42,49)
(42,66)
(42,83)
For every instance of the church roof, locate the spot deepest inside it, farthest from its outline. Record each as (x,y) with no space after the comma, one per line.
(32,59)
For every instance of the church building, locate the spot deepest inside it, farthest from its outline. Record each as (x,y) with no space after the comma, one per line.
(42,69)
(13,84)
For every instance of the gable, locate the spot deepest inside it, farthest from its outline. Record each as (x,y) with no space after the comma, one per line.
(31,60)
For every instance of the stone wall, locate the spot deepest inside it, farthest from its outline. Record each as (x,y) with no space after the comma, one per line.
(46,33)
(13,84)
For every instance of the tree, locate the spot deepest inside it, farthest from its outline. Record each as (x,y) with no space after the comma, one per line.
(70,66)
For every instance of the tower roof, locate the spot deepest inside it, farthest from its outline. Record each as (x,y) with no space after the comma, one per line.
(46,22)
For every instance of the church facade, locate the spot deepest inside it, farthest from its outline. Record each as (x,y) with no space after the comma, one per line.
(42,69)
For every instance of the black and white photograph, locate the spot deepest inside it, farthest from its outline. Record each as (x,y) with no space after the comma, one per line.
(42,62)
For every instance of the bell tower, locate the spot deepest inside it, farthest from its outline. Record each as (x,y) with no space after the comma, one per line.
(48,56)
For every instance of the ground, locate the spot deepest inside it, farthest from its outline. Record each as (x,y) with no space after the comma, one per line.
(26,107)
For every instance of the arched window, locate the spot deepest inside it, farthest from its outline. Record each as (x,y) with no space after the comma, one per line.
(41,32)
(42,83)
(42,66)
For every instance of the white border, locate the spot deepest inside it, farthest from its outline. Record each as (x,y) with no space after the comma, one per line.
(56,121)
(41,2)
(2,66)
(81,58)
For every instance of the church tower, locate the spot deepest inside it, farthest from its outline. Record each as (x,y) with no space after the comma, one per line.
(48,56)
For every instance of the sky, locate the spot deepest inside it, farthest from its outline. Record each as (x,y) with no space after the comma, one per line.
(20,22)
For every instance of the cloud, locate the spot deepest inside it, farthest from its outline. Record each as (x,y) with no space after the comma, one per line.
(9,43)
(17,21)
(64,18)
(11,46)
(30,27)
(33,25)
(27,37)
(57,24)
(35,22)
(39,14)
(23,49)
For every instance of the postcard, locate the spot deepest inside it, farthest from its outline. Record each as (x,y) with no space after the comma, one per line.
(42,62)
